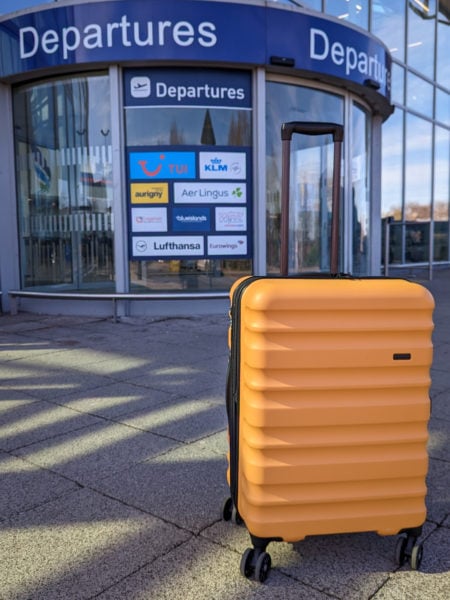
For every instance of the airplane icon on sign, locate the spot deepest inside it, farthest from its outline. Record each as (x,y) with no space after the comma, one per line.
(140,87)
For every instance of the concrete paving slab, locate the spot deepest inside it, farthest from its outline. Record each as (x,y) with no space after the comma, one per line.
(31,422)
(408,586)
(25,486)
(185,420)
(439,440)
(185,486)
(14,347)
(97,451)
(116,399)
(77,546)
(438,497)
(181,379)
(432,582)
(200,570)
(441,359)
(49,384)
(441,405)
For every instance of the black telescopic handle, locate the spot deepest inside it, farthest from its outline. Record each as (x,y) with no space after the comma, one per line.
(310,128)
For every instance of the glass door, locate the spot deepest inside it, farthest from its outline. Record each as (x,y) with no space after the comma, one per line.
(63,173)
(310,176)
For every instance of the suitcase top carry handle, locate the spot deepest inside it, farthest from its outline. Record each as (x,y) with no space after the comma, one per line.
(310,128)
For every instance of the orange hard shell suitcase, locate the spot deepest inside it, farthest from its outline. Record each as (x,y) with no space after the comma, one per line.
(328,408)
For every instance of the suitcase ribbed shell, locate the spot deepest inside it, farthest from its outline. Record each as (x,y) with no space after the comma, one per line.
(333,406)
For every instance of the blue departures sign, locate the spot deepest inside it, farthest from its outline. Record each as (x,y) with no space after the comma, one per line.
(190,30)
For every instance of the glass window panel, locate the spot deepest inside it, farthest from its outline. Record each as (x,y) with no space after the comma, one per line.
(64,188)
(388,23)
(443,106)
(421,36)
(443,45)
(186,126)
(360,190)
(441,193)
(311,197)
(353,11)
(392,166)
(419,95)
(398,84)
(441,174)
(418,143)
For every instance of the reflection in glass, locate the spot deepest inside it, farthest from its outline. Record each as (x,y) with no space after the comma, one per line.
(398,84)
(443,45)
(443,106)
(420,38)
(315,4)
(392,166)
(64,188)
(353,11)
(360,191)
(418,169)
(388,23)
(195,126)
(419,95)
(441,193)
(311,172)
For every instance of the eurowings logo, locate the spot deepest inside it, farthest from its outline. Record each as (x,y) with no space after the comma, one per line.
(162,165)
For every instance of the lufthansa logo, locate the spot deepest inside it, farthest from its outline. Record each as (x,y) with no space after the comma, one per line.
(141,246)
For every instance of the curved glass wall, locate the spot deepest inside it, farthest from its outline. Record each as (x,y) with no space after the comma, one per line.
(415,147)
(64,189)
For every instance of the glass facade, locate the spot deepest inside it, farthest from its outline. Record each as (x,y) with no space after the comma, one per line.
(64,163)
(415,165)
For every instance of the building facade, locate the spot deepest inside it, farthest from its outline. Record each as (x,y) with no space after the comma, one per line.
(141,148)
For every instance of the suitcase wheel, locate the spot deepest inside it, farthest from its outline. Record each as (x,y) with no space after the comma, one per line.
(255,564)
(407,548)
(230,512)
(416,557)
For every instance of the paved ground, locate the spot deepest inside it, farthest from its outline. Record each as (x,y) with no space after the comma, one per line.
(112,472)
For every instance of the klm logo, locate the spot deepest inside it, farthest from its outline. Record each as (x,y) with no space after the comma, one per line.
(216,166)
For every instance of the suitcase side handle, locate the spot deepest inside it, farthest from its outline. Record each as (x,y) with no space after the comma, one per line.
(312,128)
